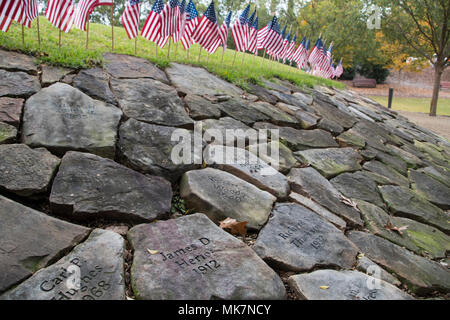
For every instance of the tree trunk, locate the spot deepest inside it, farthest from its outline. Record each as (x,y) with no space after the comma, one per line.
(438,70)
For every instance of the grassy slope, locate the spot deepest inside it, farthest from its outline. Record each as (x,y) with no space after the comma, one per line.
(416,104)
(73,54)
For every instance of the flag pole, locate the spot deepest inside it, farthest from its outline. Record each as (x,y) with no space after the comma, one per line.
(168,52)
(243,57)
(60,38)
(235,53)
(87,34)
(112,27)
(23,35)
(199,52)
(223,53)
(263,58)
(138,25)
(38,32)
(176,50)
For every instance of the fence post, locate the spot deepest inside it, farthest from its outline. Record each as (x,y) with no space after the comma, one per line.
(391,96)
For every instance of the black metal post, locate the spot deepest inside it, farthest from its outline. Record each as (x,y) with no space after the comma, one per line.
(391,96)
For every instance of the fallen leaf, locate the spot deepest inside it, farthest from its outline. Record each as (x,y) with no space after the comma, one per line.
(349,203)
(324,287)
(360,256)
(390,226)
(235,227)
(152,251)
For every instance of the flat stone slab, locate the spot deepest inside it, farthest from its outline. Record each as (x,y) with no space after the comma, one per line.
(14,61)
(330,112)
(439,174)
(220,195)
(151,101)
(344,285)
(309,182)
(286,159)
(307,120)
(369,267)
(52,74)
(330,126)
(297,239)
(88,187)
(421,275)
(18,84)
(262,93)
(11,110)
(405,203)
(392,161)
(332,161)
(8,133)
(306,98)
(194,259)
(99,262)
(241,111)
(248,167)
(195,80)
(383,174)
(30,240)
(62,118)
(433,190)
(411,160)
(148,148)
(358,185)
(290,99)
(301,139)
(351,139)
(128,67)
(215,131)
(276,116)
(95,83)
(26,171)
(201,108)
(317,208)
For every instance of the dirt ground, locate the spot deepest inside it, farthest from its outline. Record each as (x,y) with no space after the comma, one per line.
(438,124)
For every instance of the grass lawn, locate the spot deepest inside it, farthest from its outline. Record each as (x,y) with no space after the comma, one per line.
(73,54)
(415,104)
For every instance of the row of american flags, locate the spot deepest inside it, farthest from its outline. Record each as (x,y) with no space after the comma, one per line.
(180,21)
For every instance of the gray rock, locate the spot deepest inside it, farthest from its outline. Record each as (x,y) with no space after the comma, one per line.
(405,203)
(215,131)
(369,267)
(331,162)
(52,74)
(95,83)
(330,126)
(11,111)
(367,111)
(88,187)
(248,167)
(26,171)
(18,84)
(358,185)
(8,133)
(13,61)
(262,93)
(360,114)
(276,116)
(391,161)
(301,139)
(434,191)
(286,159)
(297,239)
(417,237)
(421,275)
(62,118)
(241,111)
(305,98)
(374,135)
(317,208)
(350,138)
(148,148)
(122,67)
(200,108)
(344,285)
(291,100)
(383,174)
(411,160)
(440,174)
(194,259)
(328,111)
(99,263)
(151,101)
(310,183)
(31,240)
(221,195)
(195,80)
(274,85)
(307,120)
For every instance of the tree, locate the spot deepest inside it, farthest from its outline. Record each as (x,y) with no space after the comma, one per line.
(423,27)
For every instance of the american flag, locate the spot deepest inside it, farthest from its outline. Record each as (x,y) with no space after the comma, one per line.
(60,13)
(300,55)
(261,37)
(273,39)
(11,10)
(130,18)
(31,9)
(285,46)
(315,54)
(191,24)
(152,26)
(223,33)
(170,17)
(253,35)
(181,21)
(339,70)
(207,31)
(84,10)
(290,50)
(239,30)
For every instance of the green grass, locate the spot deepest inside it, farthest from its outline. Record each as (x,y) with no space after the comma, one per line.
(415,104)
(73,54)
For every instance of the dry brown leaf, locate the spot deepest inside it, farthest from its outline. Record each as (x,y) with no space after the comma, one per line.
(390,226)
(349,203)
(234,227)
